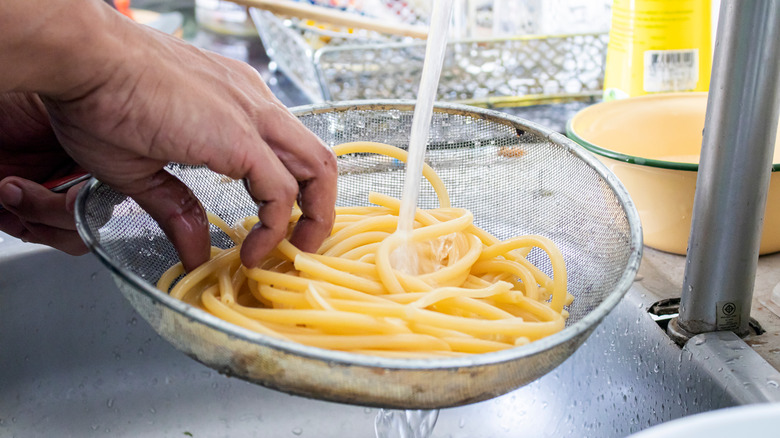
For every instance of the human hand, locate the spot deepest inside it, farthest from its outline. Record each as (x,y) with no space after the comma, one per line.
(30,152)
(145,99)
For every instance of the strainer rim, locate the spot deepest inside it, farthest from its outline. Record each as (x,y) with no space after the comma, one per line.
(584,326)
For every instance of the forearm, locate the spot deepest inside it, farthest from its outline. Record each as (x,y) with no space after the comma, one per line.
(56,48)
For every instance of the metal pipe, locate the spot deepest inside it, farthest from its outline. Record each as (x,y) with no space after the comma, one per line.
(733,177)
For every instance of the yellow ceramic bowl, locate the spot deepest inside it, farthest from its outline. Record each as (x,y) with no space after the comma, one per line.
(652,143)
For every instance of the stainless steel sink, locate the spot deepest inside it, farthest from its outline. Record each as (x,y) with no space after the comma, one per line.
(75,360)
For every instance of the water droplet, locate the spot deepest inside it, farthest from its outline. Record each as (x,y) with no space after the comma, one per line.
(772,384)
(462,423)
(699,341)
(297,431)
(110,403)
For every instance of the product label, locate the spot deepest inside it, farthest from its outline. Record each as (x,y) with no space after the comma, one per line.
(727,315)
(670,70)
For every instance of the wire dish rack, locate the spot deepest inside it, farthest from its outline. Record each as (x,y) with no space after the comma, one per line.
(332,64)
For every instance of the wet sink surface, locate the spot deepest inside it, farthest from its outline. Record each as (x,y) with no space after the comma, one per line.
(77,361)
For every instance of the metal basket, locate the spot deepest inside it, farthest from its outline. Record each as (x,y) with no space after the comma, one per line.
(516,177)
(332,65)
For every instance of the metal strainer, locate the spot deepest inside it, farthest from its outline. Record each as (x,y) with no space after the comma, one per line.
(516,177)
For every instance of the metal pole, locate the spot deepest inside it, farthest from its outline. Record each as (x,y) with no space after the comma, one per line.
(733,179)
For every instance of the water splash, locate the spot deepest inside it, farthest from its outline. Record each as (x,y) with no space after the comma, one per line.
(405,424)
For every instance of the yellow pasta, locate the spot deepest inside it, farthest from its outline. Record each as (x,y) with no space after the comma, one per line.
(447,289)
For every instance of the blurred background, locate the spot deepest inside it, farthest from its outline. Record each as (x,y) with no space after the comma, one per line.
(517,56)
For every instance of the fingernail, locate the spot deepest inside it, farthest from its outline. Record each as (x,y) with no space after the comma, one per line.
(10,195)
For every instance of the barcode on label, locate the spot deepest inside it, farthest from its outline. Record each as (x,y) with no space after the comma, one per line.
(671,70)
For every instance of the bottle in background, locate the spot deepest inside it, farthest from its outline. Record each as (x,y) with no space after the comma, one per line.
(658,46)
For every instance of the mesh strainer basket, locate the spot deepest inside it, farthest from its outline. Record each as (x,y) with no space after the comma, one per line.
(516,177)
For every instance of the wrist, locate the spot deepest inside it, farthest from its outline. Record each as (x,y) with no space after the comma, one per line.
(59,49)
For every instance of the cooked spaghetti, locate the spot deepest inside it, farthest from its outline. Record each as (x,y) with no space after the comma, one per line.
(447,288)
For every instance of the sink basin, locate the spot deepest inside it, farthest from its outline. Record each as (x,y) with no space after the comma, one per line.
(77,361)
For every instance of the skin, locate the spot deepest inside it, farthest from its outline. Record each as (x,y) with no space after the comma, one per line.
(88,87)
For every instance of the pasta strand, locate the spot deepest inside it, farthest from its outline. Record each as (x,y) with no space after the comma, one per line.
(447,288)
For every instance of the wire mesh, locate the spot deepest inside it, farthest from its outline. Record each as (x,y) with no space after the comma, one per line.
(334,64)
(515,177)
(514,181)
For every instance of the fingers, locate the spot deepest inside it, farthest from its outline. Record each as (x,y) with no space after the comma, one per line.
(313,165)
(317,200)
(35,204)
(317,197)
(70,197)
(303,169)
(171,203)
(275,190)
(34,214)
(67,241)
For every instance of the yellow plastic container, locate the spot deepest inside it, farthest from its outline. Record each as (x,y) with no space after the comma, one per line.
(658,46)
